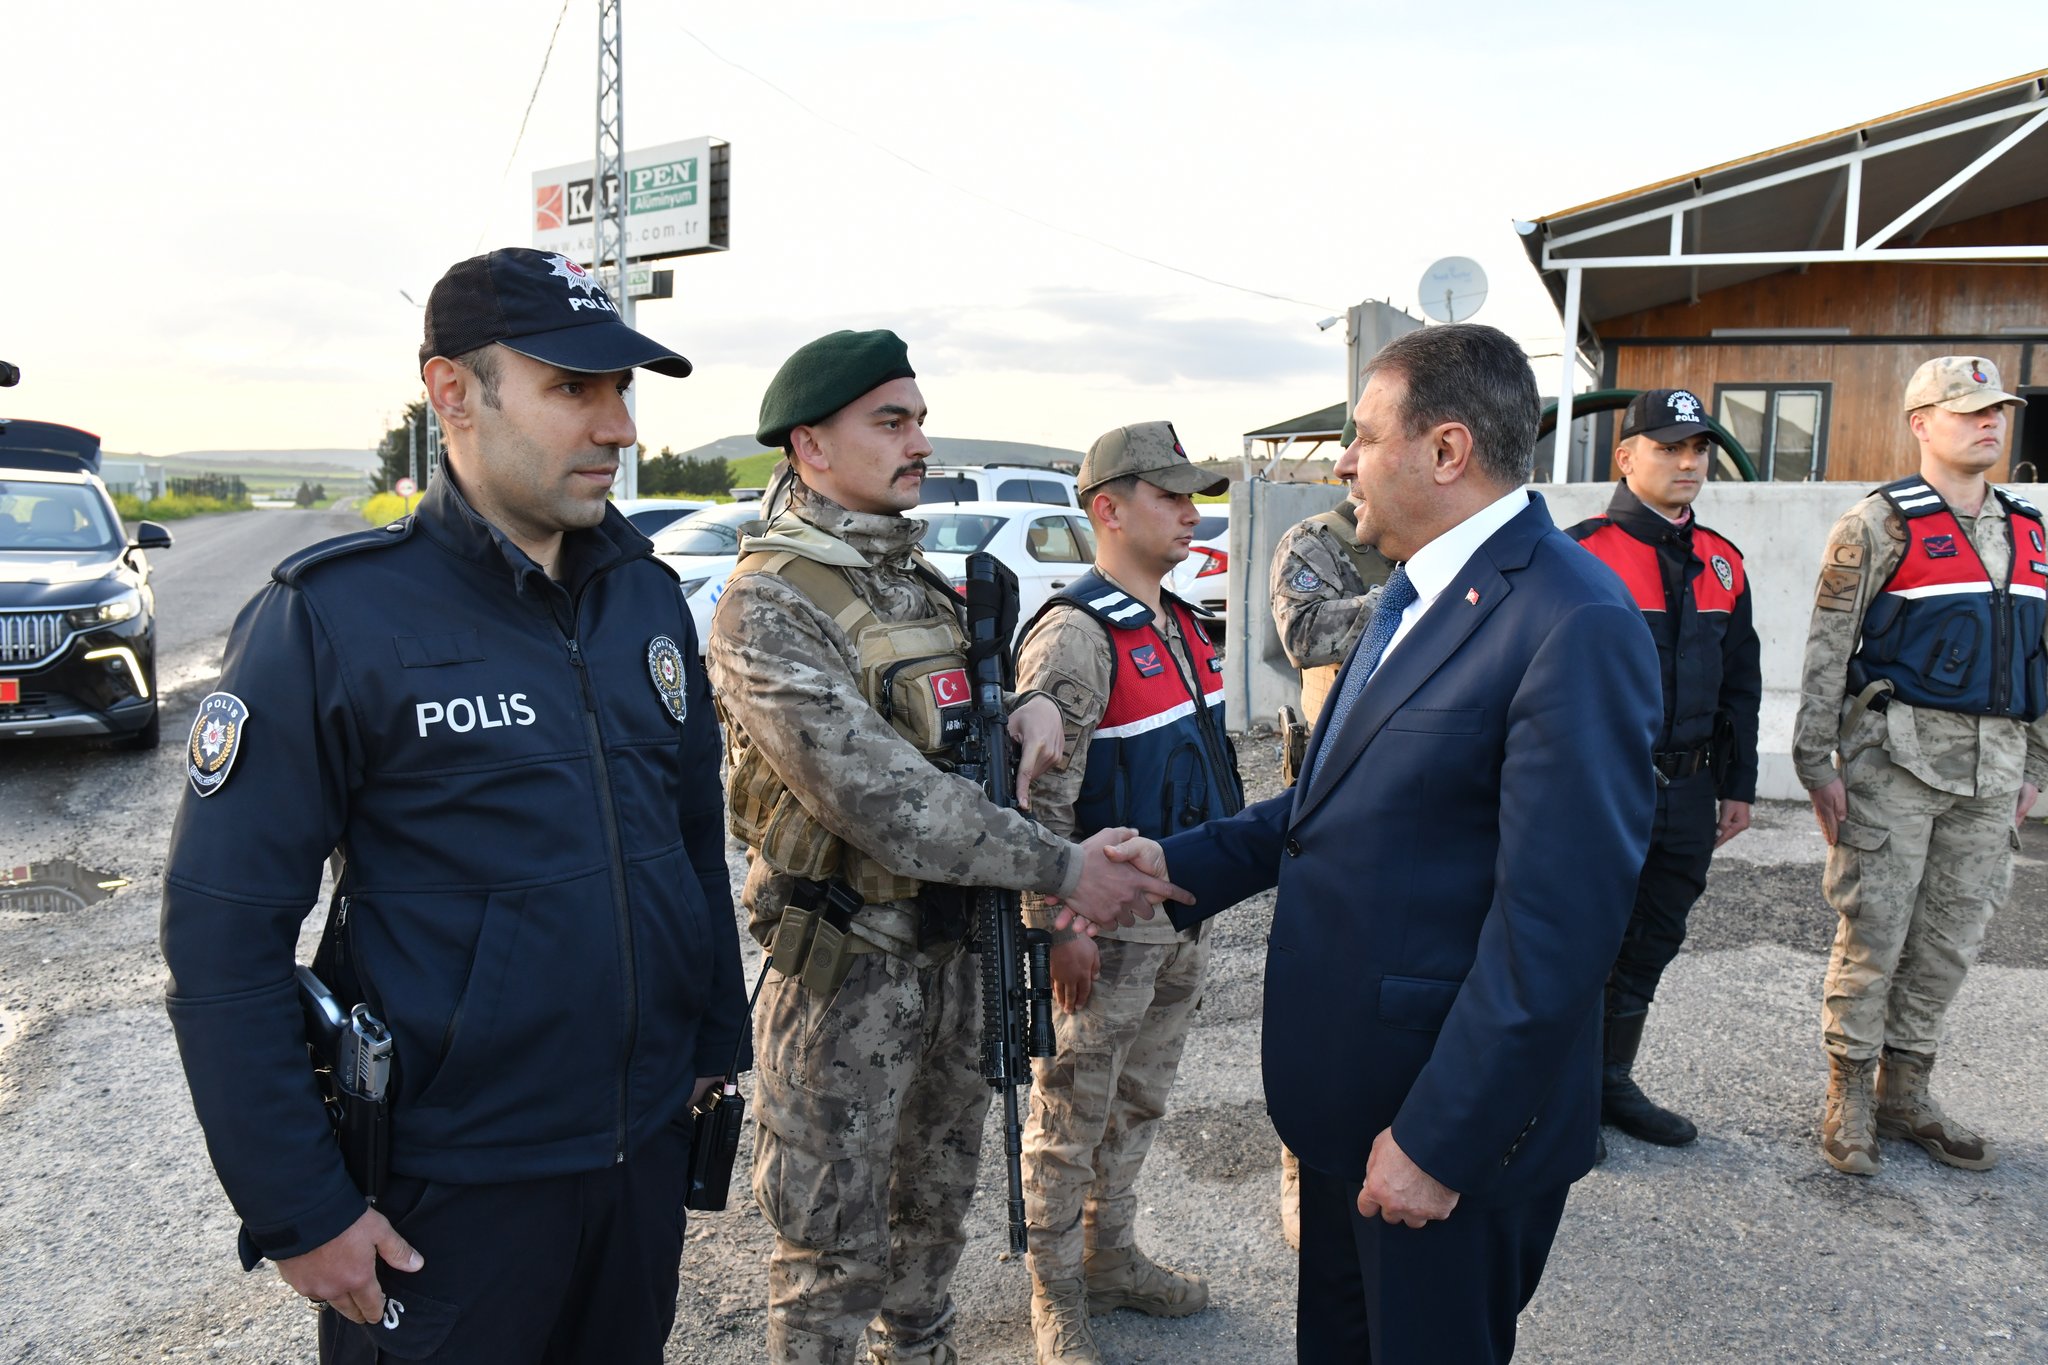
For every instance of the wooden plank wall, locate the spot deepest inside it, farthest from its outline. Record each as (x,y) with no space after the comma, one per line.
(1866,437)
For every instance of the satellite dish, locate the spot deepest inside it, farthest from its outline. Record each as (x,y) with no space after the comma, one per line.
(1453,289)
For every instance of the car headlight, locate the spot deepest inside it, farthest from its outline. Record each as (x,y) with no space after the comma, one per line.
(115,609)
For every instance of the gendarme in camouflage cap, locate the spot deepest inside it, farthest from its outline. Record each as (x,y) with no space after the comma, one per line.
(1151,451)
(1960,383)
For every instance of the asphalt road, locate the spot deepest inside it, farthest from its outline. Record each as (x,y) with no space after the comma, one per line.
(116,1244)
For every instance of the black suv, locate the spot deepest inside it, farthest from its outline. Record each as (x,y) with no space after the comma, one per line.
(77,616)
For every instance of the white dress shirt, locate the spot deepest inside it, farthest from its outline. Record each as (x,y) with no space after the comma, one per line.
(1432,568)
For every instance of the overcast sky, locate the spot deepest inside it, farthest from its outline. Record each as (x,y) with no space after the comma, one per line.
(212,210)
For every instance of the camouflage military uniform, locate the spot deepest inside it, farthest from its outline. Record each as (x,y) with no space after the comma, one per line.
(1094,1103)
(1924,857)
(1323,587)
(870,1103)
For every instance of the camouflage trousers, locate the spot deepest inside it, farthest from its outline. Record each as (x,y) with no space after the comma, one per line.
(1915,876)
(870,1109)
(1094,1104)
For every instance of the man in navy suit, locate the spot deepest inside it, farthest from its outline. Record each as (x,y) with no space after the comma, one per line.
(1455,868)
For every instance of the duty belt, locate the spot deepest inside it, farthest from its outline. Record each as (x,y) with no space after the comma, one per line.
(1678,764)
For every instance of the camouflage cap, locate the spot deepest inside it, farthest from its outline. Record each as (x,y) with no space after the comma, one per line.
(1151,451)
(1960,383)
(825,375)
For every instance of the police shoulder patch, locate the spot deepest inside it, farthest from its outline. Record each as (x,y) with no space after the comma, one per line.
(216,741)
(1306,579)
(665,667)
(1724,571)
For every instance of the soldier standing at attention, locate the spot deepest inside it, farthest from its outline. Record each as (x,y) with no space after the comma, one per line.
(839,658)
(1694,592)
(1140,690)
(1324,587)
(1921,741)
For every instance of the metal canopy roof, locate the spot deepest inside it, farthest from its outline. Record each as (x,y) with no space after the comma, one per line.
(1322,422)
(1869,192)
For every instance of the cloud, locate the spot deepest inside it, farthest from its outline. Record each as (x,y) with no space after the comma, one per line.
(1139,340)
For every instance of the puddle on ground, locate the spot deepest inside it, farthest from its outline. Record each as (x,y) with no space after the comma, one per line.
(54,887)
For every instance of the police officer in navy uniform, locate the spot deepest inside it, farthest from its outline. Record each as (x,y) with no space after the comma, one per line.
(1694,592)
(492,712)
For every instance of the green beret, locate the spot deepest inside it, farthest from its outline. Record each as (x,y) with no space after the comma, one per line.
(1350,430)
(826,375)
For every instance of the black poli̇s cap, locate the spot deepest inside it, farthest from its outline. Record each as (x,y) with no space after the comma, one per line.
(1666,416)
(540,305)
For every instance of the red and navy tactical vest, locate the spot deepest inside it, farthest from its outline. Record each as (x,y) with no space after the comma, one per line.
(1707,649)
(1159,761)
(1940,631)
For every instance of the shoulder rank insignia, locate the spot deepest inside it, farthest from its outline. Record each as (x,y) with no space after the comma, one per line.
(1145,658)
(216,741)
(1940,547)
(665,666)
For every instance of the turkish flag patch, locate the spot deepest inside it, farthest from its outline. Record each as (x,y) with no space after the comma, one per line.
(1145,658)
(949,688)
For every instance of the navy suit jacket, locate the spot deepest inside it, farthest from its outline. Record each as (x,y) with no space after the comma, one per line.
(1455,878)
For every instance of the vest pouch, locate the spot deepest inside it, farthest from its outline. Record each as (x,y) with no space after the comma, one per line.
(1878,620)
(876,884)
(927,700)
(1948,667)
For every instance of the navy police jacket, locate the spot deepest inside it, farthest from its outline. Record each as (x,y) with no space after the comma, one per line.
(1693,589)
(521,776)
(1159,761)
(1940,631)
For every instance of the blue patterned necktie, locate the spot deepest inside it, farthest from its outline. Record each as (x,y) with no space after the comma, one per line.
(1395,598)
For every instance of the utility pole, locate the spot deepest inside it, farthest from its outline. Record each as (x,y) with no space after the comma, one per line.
(610,218)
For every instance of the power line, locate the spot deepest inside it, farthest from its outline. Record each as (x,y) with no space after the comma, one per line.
(971,193)
(531,99)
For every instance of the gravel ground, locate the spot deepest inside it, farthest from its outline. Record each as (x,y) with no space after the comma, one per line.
(115,1243)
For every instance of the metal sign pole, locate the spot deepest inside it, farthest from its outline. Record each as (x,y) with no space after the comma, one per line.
(610,222)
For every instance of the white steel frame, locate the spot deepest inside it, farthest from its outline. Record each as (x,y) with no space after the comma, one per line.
(1848,191)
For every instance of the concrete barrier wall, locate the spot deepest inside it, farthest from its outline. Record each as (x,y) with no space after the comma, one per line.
(1780,527)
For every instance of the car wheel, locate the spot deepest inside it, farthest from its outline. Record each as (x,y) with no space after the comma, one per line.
(148,737)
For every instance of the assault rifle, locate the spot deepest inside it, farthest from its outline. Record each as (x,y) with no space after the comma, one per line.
(1016,964)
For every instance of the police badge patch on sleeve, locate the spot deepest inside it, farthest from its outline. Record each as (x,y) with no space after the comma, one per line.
(1724,571)
(216,741)
(1305,580)
(665,666)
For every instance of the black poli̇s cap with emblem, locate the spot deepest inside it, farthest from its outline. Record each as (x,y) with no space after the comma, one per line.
(1665,416)
(541,305)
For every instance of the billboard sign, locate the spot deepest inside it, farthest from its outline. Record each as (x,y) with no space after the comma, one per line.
(675,202)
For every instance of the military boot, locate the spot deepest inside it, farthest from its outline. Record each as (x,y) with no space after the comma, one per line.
(1059,1323)
(1127,1278)
(1623,1104)
(936,1351)
(1906,1110)
(1848,1141)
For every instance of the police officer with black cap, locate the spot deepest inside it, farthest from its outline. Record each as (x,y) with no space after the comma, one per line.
(491,711)
(1694,592)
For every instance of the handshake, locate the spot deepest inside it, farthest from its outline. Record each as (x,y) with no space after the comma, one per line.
(1123,880)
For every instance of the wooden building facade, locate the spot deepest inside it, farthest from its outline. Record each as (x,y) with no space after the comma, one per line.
(1730,282)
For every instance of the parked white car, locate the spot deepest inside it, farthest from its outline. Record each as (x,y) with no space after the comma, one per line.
(702,548)
(957,483)
(1203,577)
(1046,547)
(649,515)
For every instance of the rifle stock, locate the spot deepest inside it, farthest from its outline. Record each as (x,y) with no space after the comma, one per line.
(1016,968)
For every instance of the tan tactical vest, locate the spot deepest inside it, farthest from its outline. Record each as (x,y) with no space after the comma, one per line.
(1373,569)
(896,662)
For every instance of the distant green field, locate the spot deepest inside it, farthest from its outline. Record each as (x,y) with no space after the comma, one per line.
(752,471)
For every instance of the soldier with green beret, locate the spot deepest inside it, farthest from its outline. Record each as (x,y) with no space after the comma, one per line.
(839,658)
